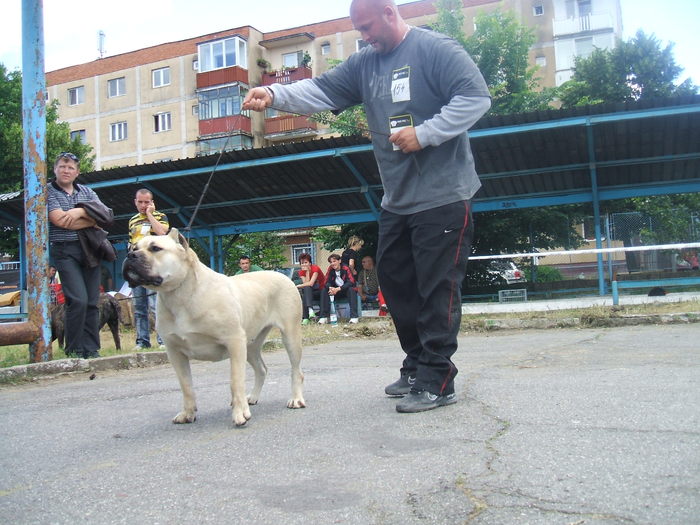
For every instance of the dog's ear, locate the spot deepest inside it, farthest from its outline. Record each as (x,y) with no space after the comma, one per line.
(176,236)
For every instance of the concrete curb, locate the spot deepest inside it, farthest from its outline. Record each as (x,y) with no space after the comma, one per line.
(71,366)
(623,320)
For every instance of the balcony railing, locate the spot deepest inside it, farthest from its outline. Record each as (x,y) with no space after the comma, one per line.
(288,125)
(580,24)
(286,76)
(228,124)
(218,77)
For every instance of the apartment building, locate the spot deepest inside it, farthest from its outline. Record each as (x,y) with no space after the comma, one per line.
(182,99)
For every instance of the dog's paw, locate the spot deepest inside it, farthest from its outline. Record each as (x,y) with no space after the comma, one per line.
(185,417)
(296,403)
(240,420)
(252,400)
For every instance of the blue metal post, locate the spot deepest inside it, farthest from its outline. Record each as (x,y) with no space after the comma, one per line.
(34,144)
(596,205)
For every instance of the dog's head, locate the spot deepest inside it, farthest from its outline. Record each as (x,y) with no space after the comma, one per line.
(159,262)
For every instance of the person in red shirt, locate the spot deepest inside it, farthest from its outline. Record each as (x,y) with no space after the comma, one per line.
(312,282)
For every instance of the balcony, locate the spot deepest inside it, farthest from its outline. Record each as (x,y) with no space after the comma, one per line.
(582,24)
(289,126)
(286,76)
(219,77)
(224,125)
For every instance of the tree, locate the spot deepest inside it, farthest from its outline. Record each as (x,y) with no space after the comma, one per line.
(500,46)
(634,70)
(335,239)
(11,142)
(265,249)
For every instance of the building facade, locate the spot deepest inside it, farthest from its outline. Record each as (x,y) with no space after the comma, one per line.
(182,99)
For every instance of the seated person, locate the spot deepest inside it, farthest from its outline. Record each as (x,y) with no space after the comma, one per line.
(246,266)
(367,281)
(312,282)
(339,283)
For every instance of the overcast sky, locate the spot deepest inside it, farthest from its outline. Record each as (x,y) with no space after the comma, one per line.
(71,26)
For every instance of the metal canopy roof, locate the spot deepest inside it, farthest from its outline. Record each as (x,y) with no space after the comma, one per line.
(536,159)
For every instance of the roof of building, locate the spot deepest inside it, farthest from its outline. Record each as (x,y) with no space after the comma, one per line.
(169,50)
(607,151)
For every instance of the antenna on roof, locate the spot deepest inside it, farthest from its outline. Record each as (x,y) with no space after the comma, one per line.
(101,43)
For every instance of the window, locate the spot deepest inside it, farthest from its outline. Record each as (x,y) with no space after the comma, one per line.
(117,131)
(223,53)
(234,142)
(161,122)
(76,95)
(116,87)
(222,102)
(584,47)
(541,61)
(584,7)
(537,10)
(298,249)
(161,77)
(78,134)
(195,109)
(195,65)
(292,59)
(359,44)
(325,49)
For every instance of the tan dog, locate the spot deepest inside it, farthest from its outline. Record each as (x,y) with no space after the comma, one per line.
(202,314)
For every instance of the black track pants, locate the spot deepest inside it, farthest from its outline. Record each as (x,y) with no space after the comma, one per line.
(421,262)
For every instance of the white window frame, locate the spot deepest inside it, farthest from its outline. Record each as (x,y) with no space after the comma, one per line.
(537,10)
(161,77)
(116,87)
(541,61)
(218,54)
(298,249)
(291,60)
(325,49)
(359,44)
(118,131)
(162,122)
(76,95)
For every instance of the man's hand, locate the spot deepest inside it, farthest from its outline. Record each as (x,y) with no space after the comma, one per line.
(257,99)
(150,208)
(406,140)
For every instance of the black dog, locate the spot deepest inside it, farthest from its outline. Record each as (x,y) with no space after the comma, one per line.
(109,315)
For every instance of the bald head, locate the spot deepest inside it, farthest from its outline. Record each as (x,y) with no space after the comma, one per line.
(379,23)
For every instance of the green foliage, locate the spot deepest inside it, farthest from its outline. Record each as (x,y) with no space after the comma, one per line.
(672,217)
(637,69)
(266,249)
(450,20)
(500,46)
(542,274)
(335,240)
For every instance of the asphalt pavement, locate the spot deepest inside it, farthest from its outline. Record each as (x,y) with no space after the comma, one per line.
(565,426)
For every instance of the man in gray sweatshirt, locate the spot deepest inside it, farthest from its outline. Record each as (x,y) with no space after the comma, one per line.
(421,92)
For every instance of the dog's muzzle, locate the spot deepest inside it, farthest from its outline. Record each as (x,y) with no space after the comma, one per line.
(136,274)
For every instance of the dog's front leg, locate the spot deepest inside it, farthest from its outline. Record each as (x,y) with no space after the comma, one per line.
(237,355)
(181,364)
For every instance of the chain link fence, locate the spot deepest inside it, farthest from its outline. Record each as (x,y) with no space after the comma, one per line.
(632,245)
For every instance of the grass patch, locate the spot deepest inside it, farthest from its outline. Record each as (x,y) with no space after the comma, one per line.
(378,328)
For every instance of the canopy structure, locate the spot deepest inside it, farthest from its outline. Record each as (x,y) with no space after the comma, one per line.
(586,154)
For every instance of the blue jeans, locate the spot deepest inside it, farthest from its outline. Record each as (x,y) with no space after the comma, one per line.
(142,304)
